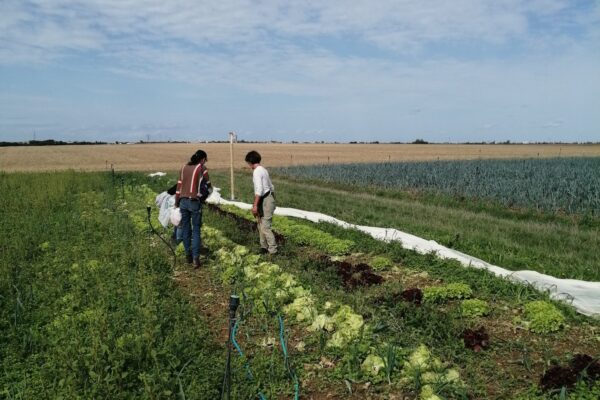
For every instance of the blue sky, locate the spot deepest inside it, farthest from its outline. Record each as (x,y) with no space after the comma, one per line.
(444,71)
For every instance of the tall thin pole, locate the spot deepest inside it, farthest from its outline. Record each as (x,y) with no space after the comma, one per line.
(231,138)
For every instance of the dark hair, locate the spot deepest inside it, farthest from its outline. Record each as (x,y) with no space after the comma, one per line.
(197,156)
(253,157)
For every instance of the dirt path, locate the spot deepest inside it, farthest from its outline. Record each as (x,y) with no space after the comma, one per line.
(209,298)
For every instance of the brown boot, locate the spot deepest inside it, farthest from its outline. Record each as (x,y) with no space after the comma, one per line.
(188,258)
(197,262)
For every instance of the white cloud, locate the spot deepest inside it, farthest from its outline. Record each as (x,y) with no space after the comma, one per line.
(439,57)
(115,25)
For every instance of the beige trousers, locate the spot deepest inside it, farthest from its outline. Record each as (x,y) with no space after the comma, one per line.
(267,239)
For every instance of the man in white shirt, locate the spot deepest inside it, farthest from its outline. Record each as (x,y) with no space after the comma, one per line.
(264,202)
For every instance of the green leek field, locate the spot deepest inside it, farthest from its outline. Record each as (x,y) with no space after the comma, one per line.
(517,214)
(92,304)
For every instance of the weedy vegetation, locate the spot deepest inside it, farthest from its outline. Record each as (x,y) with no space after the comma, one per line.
(519,237)
(92,305)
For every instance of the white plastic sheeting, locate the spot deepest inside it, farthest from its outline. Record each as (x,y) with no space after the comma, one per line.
(583,295)
(166,204)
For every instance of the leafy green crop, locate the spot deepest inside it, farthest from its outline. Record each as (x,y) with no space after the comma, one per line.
(372,365)
(270,290)
(541,317)
(380,262)
(301,234)
(423,370)
(474,308)
(451,291)
(554,184)
(347,325)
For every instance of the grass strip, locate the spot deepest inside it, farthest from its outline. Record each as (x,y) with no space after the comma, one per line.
(564,247)
(88,307)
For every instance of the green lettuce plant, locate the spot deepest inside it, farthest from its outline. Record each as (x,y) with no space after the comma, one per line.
(541,317)
(451,291)
(423,370)
(372,365)
(474,308)
(380,262)
(347,325)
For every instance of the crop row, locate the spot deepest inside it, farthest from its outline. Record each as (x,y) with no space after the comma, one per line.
(569,185)
(373,355)
(301,233)
(270,290)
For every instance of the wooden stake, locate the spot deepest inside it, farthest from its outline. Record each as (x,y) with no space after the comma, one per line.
(231,137)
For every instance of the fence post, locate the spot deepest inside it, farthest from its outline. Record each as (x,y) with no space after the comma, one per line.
(231,138)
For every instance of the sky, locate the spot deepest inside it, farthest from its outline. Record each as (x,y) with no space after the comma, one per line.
(333,70)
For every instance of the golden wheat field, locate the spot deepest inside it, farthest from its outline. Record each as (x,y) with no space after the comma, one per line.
(170,156)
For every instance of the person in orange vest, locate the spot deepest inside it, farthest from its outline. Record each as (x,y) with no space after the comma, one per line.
(193,187)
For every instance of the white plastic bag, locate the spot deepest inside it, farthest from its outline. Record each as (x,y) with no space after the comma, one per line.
(175,216)
(165,203)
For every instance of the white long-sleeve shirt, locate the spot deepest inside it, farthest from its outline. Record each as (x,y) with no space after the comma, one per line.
(262,181)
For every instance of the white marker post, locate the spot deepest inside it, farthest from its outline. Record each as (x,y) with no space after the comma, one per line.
(231,139)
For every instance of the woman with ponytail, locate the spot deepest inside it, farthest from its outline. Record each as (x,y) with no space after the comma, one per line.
(192,189)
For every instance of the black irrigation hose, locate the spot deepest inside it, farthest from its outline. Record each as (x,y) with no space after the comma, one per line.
(234,302)
(149,210)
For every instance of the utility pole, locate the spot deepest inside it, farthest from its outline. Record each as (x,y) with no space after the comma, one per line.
(231,139)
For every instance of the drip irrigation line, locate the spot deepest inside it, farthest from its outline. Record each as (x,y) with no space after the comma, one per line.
(288,366)
(149,210)
(241,353)
(290,370)
(226,386)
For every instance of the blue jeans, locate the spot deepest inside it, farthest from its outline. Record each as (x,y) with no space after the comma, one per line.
(191,212)
(177,234)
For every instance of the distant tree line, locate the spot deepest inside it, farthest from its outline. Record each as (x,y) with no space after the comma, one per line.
(49,142)
(52,142)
